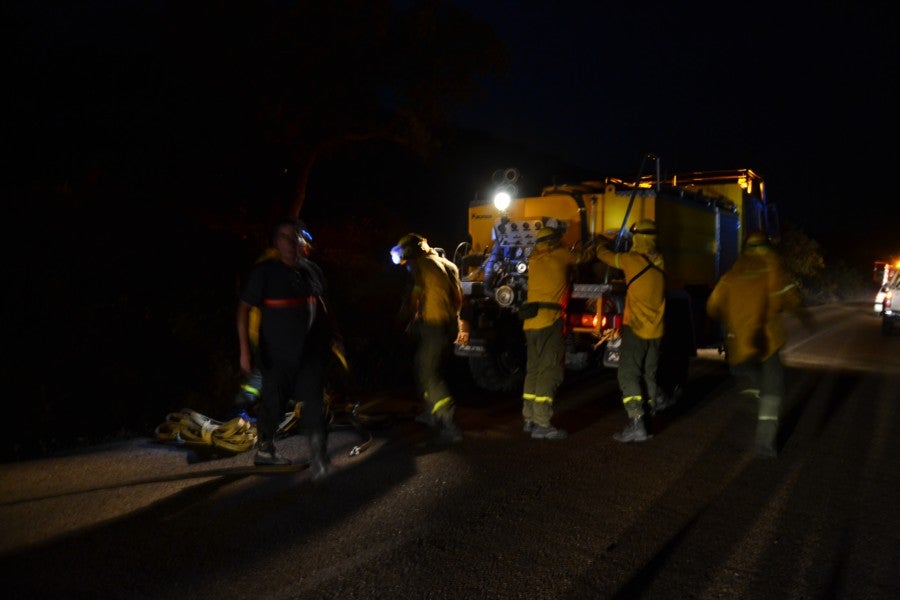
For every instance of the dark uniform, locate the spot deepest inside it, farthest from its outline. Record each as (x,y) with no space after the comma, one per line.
(295,336)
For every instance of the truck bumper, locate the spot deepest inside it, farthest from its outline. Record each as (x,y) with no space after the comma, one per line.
(473,348)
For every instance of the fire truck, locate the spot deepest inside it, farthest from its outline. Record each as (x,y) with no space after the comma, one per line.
(702,217)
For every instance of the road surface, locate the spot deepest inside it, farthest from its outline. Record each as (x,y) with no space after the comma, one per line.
(692,513)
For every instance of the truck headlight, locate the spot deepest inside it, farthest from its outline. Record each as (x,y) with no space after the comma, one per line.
(502,200)
(505,296)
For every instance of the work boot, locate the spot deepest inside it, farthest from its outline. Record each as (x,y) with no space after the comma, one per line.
(319,463)
(320,468)
(538,432)
(634,432)
(661,402)
(450,433)
(528,426)
(767,438)
(266,455)
(425,418)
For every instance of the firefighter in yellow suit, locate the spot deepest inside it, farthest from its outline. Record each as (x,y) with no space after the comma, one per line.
(550,270)
(642,324)
(431,309)
(747,301)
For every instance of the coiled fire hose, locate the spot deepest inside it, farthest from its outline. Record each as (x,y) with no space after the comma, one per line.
(190,428)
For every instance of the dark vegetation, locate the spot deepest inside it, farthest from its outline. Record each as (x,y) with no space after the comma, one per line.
(153,147)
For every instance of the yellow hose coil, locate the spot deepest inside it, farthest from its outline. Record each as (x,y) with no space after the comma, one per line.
(190,428)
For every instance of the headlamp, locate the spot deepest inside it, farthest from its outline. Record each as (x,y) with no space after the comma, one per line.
(397,255)
(645,231)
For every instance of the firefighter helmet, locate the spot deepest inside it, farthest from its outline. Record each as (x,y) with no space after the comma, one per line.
(757,240)
(548,234)
(644,227)
(410,246)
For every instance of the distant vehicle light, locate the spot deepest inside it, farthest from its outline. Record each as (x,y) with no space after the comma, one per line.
(879,299)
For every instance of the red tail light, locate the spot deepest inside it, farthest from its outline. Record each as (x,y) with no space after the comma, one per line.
(611,322)
(594,321)
(584,320)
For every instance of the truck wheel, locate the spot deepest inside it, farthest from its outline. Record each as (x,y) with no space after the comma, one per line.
(673,371)
(887,326)
(678,343)
(499,372)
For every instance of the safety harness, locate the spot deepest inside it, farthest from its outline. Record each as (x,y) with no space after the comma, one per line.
(650,265)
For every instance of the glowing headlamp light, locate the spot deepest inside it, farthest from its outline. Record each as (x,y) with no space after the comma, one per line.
(396,255)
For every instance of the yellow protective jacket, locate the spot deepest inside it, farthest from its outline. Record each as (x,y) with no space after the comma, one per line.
(645,300)
(747,301)
(549,274)
(436,292)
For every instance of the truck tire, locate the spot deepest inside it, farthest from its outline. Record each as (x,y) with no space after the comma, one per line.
(678,343)
(887,326)
(498,372)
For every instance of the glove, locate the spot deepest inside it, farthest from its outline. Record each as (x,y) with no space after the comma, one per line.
(337,348)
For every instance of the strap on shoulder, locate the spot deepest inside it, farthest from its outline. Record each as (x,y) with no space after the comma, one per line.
(650,265)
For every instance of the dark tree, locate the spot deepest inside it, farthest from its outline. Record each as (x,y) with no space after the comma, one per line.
(317,76)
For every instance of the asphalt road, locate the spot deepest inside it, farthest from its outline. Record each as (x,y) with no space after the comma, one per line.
(692,513)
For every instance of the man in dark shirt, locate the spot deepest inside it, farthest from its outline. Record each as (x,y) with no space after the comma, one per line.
(295,335)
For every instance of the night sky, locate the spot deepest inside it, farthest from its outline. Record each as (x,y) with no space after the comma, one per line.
(807,97)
